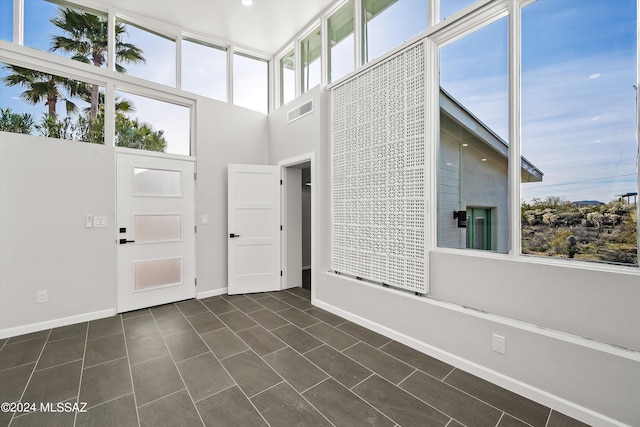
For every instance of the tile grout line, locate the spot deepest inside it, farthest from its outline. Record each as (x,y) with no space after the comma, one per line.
(491,405)
(175,365)
(133,387)
(278,374)
(33,371)
(84,355)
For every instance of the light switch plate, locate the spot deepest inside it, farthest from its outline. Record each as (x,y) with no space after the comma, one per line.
(88,221)
(100,221)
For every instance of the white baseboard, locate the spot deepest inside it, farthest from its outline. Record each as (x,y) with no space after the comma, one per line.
(212,293)
(554,402)
(56,323)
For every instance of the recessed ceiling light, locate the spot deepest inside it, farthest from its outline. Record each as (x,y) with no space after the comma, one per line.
(484,160)
(465,145)
(247,2)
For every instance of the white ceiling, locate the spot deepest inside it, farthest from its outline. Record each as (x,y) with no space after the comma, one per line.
(264,27)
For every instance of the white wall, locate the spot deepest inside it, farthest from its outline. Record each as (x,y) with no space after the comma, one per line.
(226,134)
(564,326)
(47,187)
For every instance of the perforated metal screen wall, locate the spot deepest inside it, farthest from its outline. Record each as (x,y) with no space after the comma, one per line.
(378,160)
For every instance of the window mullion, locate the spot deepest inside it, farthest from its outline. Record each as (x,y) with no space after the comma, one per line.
(515,241)
(18,22)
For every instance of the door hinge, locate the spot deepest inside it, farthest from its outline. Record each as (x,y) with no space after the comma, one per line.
(280,273)
(195,282)
(280,228)
(195,176)
(195,228)
(280,182)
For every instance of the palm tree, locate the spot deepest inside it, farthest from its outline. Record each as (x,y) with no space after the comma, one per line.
(86,38)
(42,86)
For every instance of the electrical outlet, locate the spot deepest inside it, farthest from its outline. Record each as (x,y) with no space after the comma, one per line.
(43,296)
(498,344)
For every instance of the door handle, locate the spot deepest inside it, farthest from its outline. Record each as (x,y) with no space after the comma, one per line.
(125,241)
(233,235)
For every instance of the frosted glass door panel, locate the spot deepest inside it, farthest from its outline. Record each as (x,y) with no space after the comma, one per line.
(157,228)
(153,274)
(155,182)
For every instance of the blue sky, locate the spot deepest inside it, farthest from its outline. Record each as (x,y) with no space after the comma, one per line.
(578,102)
(579,66)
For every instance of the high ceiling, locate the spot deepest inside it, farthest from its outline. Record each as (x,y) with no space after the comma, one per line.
(264,26)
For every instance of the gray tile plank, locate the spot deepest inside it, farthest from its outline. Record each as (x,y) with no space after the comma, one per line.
(295,369)
(119,412)
(384,365)
(55,384)
(297,317)
(155,379)
(342,407)
(339,366)
(229,408)
(505,400)
(224,343)
(61,351)
(104,349)
(174,410)
(186,344)
(260,340)
(418,360)
(237,320)
(104,382)
(268,319)
(398,405)
(204,376)
(370,337)
(282,406)
(191,307)
(331,336)
(21,353)
(146,347)
(251,373)
(298,339)
(205,322)
(458,405)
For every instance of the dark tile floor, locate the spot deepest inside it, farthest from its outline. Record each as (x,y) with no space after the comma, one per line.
(247,360)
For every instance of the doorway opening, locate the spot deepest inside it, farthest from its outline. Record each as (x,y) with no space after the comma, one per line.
(297,222)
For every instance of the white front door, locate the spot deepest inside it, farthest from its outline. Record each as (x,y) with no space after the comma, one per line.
(155,235)
(254,228)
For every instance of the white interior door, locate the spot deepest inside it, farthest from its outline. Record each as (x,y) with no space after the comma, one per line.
(155,231)
(254,228)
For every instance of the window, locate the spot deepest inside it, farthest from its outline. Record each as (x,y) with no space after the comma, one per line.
(388,23)
(287,77)
(251,83)
(151,56)
(341,42)
(75,33)
(149,124)
(43,104)
(310,50)
(449,7)
(204,70)
(6,20)
(479,230)
(579,68)
(473,153)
